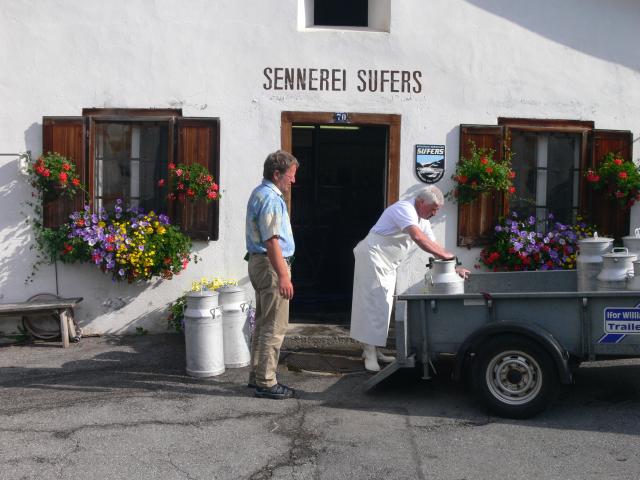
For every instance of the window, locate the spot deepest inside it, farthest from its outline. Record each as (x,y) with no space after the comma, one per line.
(547,167)
(367,15)
(123,154)
(129,160)
(353,13)
(549,158)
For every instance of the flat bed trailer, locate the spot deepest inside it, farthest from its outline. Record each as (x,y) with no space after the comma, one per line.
(517,334)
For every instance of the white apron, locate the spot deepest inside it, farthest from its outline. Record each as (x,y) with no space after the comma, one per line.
(374,281)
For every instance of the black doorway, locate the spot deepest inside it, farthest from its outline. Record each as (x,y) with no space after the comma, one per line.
(338,195)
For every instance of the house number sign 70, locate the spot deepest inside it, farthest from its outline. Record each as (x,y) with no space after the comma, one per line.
(341,117)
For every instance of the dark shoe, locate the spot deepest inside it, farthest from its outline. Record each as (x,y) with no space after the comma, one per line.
(277,392)
(251,385)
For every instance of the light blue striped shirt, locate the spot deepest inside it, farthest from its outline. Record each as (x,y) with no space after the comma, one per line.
(267,216)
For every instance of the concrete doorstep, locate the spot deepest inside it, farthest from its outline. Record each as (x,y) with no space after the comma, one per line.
(323,349)
(320,336)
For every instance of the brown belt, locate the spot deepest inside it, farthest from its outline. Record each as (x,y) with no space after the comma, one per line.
(288,260)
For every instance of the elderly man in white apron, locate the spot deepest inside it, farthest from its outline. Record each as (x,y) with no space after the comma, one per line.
(400,227)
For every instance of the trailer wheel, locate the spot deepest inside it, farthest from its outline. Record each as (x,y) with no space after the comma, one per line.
(516,377)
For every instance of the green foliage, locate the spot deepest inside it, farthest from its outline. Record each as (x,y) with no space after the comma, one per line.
(172,247)
(481,172)
(55,244)
(141,331)
(54,175)
(176,314)
(191,182)
(617,178)
(129,244)
(518,244)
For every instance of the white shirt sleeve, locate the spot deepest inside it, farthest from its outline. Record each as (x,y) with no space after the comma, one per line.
(396,218)
(428,231)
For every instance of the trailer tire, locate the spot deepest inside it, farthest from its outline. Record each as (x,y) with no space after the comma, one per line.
(515,377)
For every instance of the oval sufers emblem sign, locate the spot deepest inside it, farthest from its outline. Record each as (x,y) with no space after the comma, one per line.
(429,162)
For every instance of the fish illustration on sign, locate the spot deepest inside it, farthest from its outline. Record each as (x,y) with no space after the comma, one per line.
(430,162)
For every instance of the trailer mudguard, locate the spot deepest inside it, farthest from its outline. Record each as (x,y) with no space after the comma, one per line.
(559,355)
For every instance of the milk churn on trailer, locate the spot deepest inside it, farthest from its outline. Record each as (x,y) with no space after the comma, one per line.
(589,261)
(203,334)
(634,283)
(632,242)
(442,277)
(617,269)
(235,327)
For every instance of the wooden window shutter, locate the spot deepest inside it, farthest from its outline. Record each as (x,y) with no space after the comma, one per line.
(66,136)
(610,218)
(199,142)
(477,220)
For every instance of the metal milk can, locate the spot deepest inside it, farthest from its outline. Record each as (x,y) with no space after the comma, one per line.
(203,334)
(632,242)
(589,261)
(634,282)
(617,268)
(235,327)
(442,277)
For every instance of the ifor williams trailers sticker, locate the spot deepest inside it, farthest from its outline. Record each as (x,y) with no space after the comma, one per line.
(620,322)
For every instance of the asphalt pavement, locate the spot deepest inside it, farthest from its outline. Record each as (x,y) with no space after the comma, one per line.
(123,407)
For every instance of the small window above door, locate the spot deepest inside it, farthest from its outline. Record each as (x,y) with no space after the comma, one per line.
(360,15)
(338,13)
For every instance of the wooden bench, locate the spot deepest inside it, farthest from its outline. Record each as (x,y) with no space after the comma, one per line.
(60,307)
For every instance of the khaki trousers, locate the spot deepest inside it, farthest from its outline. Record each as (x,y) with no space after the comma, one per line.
(272,319)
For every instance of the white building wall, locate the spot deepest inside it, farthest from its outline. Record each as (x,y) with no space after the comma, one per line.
(479,59)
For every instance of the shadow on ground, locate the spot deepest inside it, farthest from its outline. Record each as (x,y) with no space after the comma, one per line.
(127,366)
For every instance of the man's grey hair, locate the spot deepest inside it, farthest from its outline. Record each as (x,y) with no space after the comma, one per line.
(278,161)
(431,195)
